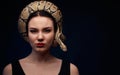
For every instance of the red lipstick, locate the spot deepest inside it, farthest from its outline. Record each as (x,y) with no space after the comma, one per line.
(40,44)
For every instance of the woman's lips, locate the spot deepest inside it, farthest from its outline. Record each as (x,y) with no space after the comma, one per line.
(40,44)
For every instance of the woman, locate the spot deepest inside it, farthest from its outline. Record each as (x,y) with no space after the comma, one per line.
(40,25)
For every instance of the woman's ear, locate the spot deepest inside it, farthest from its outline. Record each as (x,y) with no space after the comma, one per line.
(54,43)
(26,39)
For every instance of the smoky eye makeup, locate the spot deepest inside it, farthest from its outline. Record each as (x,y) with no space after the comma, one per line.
(47,30)
(44,30)
(33,30)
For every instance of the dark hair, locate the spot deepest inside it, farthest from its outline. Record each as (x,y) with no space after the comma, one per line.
(44,14)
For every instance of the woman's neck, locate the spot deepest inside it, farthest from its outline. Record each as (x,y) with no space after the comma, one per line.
(38,57)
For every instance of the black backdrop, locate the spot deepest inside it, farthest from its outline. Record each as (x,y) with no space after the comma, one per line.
(86,26)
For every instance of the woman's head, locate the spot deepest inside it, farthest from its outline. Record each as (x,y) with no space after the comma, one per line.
(43,14)
(41,33)
(43,9)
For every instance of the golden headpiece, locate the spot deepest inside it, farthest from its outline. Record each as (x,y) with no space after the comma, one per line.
(50,8)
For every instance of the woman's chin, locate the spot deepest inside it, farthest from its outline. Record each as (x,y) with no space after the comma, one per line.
(42,50)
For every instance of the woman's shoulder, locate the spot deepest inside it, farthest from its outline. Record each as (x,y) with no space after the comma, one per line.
(7,69)
(74,69)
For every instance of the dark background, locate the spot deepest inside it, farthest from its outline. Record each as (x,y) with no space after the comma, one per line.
(87,26)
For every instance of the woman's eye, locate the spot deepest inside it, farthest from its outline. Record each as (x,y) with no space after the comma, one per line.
(33,31)
(47,30)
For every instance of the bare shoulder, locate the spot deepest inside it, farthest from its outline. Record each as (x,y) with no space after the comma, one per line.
(73,69)
(7,70)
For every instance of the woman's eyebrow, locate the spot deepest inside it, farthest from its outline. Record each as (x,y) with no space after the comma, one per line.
(47,27)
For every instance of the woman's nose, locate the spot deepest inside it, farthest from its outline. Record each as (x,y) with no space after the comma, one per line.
(40,37)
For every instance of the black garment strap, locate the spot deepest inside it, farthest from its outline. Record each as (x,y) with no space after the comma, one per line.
(17,69)
(65,69)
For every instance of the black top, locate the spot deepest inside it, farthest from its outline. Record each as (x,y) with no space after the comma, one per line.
(17,69)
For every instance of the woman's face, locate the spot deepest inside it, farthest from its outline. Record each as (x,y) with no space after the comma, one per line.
(41,33)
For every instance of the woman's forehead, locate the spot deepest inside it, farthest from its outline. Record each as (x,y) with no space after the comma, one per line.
(40,21)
